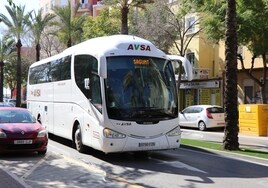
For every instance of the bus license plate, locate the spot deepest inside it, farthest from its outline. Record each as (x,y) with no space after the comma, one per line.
(147,144)
(23,141)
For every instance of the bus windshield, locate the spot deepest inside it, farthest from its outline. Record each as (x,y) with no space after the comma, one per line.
(140,89)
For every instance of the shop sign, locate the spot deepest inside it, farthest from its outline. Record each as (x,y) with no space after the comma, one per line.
(197,85)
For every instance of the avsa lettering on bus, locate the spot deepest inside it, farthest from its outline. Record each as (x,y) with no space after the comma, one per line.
(141,47)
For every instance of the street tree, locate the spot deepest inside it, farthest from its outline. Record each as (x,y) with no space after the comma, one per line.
(125,6)
(106,23)
(251,31)
(16,28)
(230,139)
(10,71)
(253,26)
(219,22)
(50,44)
(69,24)
(38,24)
(167,27)
(6,49)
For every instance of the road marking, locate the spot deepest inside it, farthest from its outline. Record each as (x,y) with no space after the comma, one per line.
(178,164)
(34,167)
(95,169)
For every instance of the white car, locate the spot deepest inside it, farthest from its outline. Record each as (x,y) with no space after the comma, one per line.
(10,101)
(202,117)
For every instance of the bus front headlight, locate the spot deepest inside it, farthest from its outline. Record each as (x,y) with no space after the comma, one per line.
(108,133)
(175,132)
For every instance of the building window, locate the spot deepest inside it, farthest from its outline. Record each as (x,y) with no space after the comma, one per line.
(84,3)
(190,24)
(52,4)
(240,50)
(46,8)
(191,57)
(63,3)
(248,96)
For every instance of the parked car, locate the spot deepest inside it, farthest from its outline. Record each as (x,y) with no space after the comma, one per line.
(11,101)
(202,117)
(20,131)
(6,104)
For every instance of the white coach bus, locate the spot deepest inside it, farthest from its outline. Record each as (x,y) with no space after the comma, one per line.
(114,94)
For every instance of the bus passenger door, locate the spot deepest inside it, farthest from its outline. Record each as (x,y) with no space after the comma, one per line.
(47,117)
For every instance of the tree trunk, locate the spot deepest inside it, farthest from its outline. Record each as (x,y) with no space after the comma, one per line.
(18,97)
(1,81)
(230,139)
(37,50)
(69,43)
(264,85)
(124,20)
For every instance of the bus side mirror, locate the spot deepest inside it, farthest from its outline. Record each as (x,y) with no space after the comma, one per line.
(86,83)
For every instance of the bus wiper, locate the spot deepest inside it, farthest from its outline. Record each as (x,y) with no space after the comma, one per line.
(152,113)
(138,114)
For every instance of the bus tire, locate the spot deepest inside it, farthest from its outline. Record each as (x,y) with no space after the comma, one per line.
(78,140)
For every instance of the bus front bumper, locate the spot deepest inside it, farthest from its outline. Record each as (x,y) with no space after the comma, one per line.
(128,144)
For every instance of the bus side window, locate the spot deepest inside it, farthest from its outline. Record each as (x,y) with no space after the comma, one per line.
(86,66)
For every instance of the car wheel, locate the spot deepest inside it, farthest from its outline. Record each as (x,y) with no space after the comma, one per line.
(78,140)
(43,152)
(202,126)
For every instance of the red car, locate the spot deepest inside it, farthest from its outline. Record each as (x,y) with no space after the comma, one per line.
(19,132)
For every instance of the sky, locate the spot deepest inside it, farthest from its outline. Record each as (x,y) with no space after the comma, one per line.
(29,5)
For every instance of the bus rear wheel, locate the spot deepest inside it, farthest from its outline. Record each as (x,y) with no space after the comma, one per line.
(78,140)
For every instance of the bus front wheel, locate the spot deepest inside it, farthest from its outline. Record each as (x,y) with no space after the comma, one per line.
(78,140)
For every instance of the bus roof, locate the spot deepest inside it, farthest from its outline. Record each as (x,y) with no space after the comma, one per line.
(116,45)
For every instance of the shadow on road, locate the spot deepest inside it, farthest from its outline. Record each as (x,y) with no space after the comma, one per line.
(194,162)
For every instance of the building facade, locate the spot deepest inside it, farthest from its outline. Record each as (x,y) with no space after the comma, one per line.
(90,7)
(208,61)
(47,5)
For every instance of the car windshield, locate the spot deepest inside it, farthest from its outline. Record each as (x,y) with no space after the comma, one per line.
(140,88)
(16,116)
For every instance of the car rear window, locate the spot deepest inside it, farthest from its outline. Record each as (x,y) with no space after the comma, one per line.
(215,110)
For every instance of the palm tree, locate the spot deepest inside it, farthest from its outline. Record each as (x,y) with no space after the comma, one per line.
(230,140)
(6,47)
(37,25)
(16,27)
(70,25)
(125,6)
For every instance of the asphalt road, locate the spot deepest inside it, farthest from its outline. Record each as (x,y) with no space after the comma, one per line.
(63,166)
